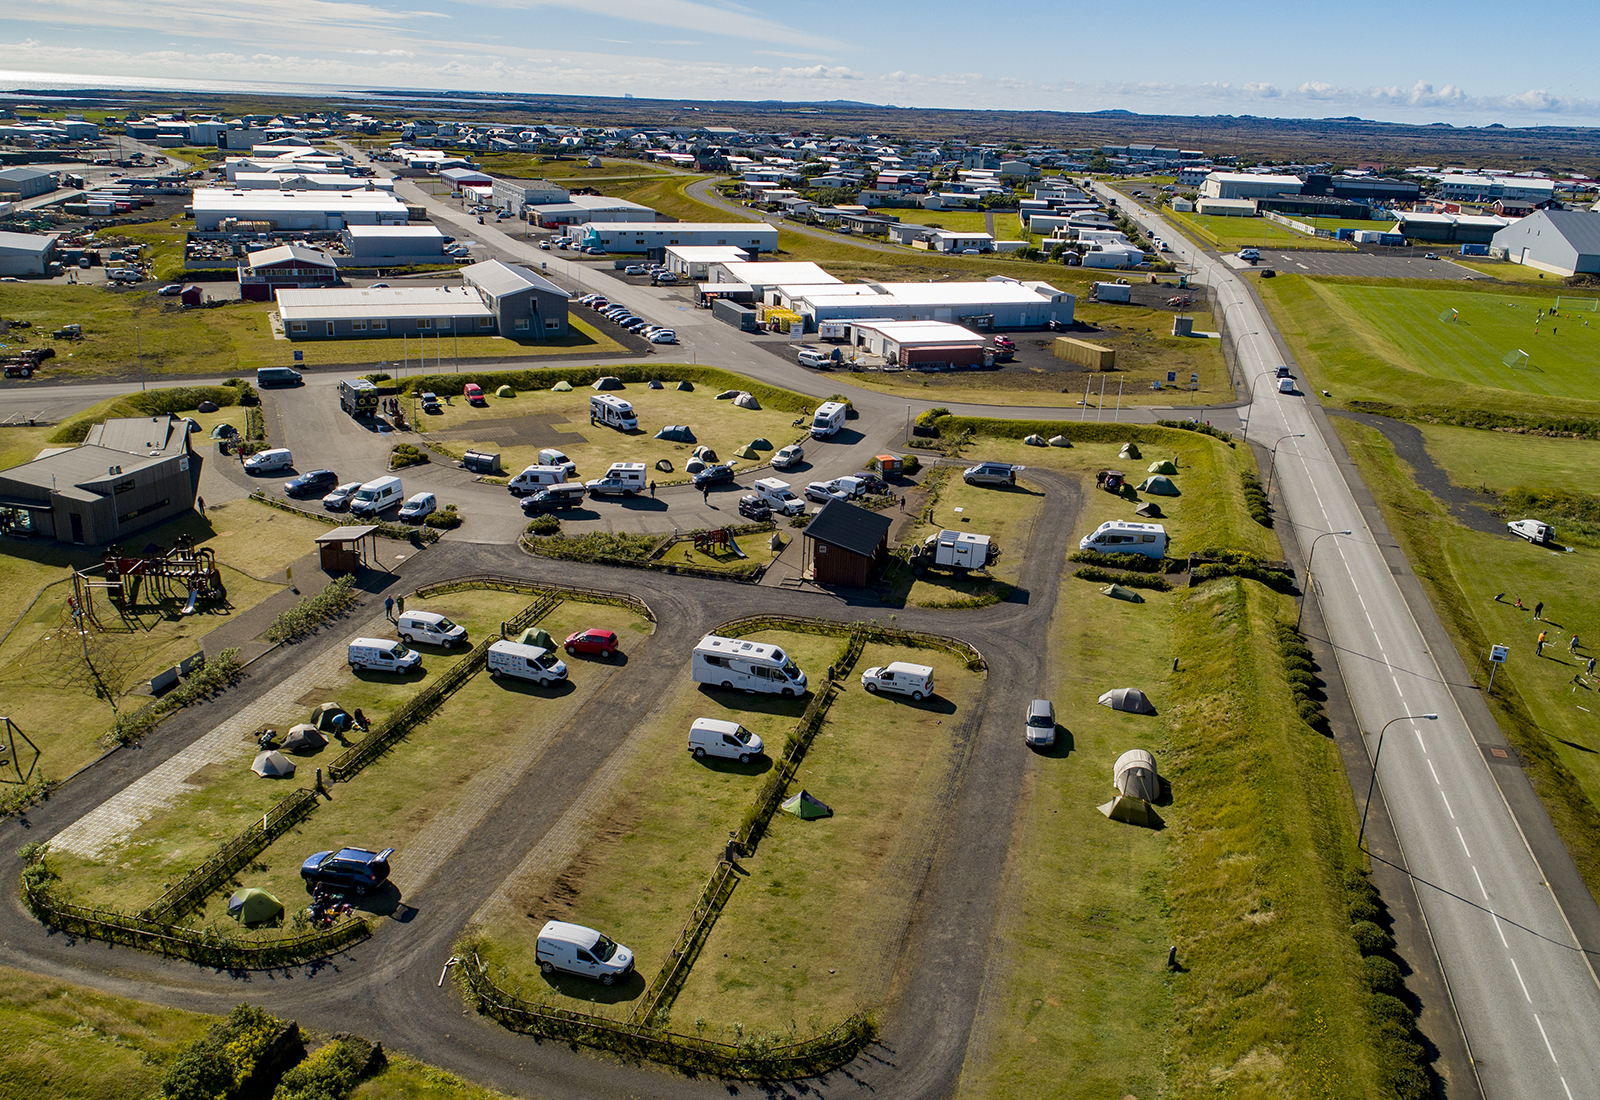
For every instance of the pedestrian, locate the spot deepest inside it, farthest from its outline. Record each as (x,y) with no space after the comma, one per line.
(902,503)
(1572,646)
(400,604)
(652,490)
(1538,610)
(705,493)
(200,502)
(388,611)
(1590,668)
(1519,603)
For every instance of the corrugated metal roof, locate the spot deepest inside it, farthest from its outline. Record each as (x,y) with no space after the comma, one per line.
(337,303)
(848,527)
(498,279)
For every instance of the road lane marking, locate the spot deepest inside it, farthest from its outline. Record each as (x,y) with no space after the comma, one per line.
(1447,808)
(1463,840)
(1481,888)
(1565,1089)
(1524,986)
(1435,774)
(1547,1045)
(1420,741)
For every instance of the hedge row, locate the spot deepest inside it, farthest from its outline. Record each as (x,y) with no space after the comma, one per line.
(1132,563)
(1572,427)
(542,378)
(1301,671)
(1275,579)
(1255,500)
(334,600)
(1197,426)
(1402,1058)
(1077,431)
(1127,580)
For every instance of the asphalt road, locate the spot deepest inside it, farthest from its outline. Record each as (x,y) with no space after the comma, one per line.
(1513,925)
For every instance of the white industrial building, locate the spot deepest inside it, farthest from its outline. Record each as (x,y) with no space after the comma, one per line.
(517,195)
(1473,187)
(761,277)
(658,236)
(1113,255)
(1226,208)
(392,245)
(1248,185)
(579,209)
(307,181)
(216,209)
(1562,242)
(461,177)
(889,339)
(494,299)
(997,303)
(695,261)
(233,167)
(25,183)
(26,253)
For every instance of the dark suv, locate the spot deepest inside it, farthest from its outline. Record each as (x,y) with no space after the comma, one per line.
(753,507)
(712,475)
(353,869)
(871,482)
(313,484)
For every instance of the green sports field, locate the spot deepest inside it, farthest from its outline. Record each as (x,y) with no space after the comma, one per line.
(1403,326)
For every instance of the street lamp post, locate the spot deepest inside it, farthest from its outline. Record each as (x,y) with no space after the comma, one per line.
(1272,459)
(1310,555)
(1371,783)
(1248,409)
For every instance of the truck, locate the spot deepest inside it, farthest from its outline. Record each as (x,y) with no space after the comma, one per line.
(358,397)
(958,551)
(828,419)
(622,478)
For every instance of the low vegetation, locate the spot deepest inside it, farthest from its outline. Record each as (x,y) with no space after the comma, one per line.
(338,597)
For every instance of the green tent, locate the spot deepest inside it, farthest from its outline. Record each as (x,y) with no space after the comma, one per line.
(1117,592)
(538,636)
(609,382)
(254,906)
(1158,485)
(686,385)
(505,391)
(562,386)
(1161,466)
(747,453)
(806,807)
(330,717)
(759,444)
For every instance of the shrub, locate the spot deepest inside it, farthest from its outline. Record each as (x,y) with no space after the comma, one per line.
(544,525)
(376,377)
(1370,938)
(334,600)
(1127,580)
(1381,975)
(1391,1013)
(333,1072)
(406,454)
(802,520)
(1255,500)
(910,464)
(221,1062)
(210,678)
(1196,426)
(447,519)
(1135,563)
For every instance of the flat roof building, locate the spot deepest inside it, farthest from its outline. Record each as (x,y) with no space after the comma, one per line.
(217,208)
(658,236)
(1248,185)
(307,181)
(1563,242)
(763,276)
(579,209)
(517,195)
(998,303)
(1450,228)
(1225,208)
(26,253)
(695,261)
(393,245)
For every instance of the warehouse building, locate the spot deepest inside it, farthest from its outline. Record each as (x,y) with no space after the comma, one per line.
(495,299)
(305,180)
(1473,187)
(26,253)
(579,209)
(392,245)
(997,303)
(764,277)
(1562,242)
(218,210)
(1450,228)
(127,475)
(924,344)
(25,183)
(458,178)
(1313,206)
(695,261)
(1226,208)
(517,195)
(286,267)
(1248,185)
(659,236)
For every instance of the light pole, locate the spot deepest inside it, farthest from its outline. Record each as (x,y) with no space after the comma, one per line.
(1248,409)
(1309,557)
(1272,459)
(1374,780)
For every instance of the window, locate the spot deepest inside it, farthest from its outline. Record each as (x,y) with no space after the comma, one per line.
(358,326)
(380,326)
(297,326)
(444,324)
(521,325)
(330,328)
(486,322)
(424,324)
(552,326)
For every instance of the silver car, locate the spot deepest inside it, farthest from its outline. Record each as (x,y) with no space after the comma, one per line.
(992,473)
(1041,728)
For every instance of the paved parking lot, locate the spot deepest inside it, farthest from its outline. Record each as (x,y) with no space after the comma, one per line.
(1367,265)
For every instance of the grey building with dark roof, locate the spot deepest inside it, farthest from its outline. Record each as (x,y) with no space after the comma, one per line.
(845,544)
(127,475)
(1563,242)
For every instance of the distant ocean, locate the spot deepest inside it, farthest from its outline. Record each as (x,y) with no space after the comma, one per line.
(45,87)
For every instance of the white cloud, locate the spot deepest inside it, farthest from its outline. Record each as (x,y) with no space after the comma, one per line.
(729,20)
(1262,91)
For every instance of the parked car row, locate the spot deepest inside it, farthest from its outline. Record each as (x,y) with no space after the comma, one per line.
(625,317)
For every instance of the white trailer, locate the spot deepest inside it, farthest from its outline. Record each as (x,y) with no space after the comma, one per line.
(734,663)
(958,551)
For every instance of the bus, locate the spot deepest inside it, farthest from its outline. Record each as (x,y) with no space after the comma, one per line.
(358,398)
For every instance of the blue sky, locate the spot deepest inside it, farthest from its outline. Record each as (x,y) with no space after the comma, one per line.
(1471,63)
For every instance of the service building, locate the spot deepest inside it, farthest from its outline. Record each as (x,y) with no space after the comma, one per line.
(286,267)
(1562,242)
(26,253)
(657,237)
(392,245)
(217,209)
(25,183)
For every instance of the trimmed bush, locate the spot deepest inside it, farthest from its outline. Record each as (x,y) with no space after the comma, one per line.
(1127,580)
(446,519)
(1135,563)
(544,525)
(406,454)
(1255,500)
(1381,975)
(1371,939)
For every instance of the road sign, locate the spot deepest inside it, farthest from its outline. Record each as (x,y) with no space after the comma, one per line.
(1194,378)
(1498,654)
(1172,376)
(299,356)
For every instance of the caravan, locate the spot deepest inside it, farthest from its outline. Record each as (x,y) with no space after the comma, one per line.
(829,419)
(534,478)
(1120,537)
(613,412)
(752,666)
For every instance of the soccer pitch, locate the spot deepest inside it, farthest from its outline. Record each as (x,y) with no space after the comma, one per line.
(1404,326)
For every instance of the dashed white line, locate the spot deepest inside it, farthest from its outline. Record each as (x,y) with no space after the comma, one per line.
(1547,1045)
(1447,808)
(1520,982)
(1435,774)
(1420,741)
(1498,929)
(1565,1089)
(1463,840)
(1479,877)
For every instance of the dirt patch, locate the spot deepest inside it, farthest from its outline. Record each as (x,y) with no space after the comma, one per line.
(207,774)
(557,899)
(514,431)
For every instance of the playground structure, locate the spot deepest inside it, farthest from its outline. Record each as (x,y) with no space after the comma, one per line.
(119,578)
(11,754)
(720,539)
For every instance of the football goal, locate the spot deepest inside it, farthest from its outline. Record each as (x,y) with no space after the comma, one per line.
(1449,316)
(1515,359)
(1567,302)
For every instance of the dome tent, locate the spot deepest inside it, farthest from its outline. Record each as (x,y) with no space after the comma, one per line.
(1148,508)
(686,385)
(505,391)
(1060,441)
(562,386)
(693,466)
(1034,441)
(538,636)
(1129,450)
(1158,485)
(207,407)
(760,444)
(1129,699)
(330,718)
(1161,466)
(676,433)
(1117,592)
(806,806)
(272,764)
(609,382)
(224,431)
(727,395)
(705,454)
(304,738)
(254,906)
(1135,775)
(747,401)
(747,453)
(655,384)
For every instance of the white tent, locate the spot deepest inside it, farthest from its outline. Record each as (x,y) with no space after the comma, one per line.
(1128,699)
(272,764)
(304,738)
(1135,775)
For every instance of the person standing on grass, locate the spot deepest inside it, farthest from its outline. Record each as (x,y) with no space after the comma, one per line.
(1572,646)
(1539,651)
(1538,611)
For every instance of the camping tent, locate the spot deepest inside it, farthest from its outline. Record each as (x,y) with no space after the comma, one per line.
(1134,811)
(727,395)
(1034,440)
(1060,441)
(254,906)
(562,386)
(1129,699)
(224,431)
(1161,466)
(747,401)
(693,466)
(704,453)
(505,391)
(609,382)
(330,718)
(272,764)
(806,807)
(1117,592)
(1160,485)
(304,738)
(1135,775)
(677,433)
(760,444)
(1129,450)
(207,407)
(686,385)
(747,453)
(655,384)
(538,636)
(1148,508)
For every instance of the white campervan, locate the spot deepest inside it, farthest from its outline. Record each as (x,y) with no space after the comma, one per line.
(525,662)
(780,497)
(913,680)
(377,496)
(265,462)
(613,412)
(579,950)
(626,478)
(1120,537)
(381,655)
(430,627)
(534,478)
(714,737)
(750,666)
(828,419)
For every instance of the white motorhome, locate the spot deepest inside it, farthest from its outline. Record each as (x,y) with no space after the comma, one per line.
(613,412)
(525,662)
(714,737)
(1120,537)
(828,419)
(534,478)
(430,627)
(377,496)
(779,495)
(381,655)
(749,666)
(626,478)
(579,950)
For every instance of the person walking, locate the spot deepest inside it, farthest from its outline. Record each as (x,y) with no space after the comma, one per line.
(1590,668)
(388,611)
(1572,646)
(200,502)
(1539,651)
(705,494)
(652,490)
(1538,611)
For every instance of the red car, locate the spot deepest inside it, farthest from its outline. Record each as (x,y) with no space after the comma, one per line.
(1005,343)
(593,640)
(474,394)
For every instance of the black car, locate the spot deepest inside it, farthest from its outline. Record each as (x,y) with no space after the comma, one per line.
(871,482)
(753,507)
(556,498)
(352,869)
(714,474)
(312,484)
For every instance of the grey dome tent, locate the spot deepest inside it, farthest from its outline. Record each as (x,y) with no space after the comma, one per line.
(254,906)
(655,384)
(693,466)
(505,391)
(272,764)
(304,738)
(806,806)
(1137,786)
(330,718)
(676,433)
(686,385)
(1131,700)
(224,431)
(609,382)
(1158,485)
(705,454)
(1117,592)
(1161,466)
(538,636)
(1060,441)
(747,401)
(207,407)
(760,444)
(1129,450)
(562,386)
(1034,441)
(727,395)
(1148,508)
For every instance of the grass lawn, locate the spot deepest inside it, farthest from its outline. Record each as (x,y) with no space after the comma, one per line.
(406,1079)
(518,427)
(166,242)
(1386,343)
(22,444)
(1508,272)
(1497,461)
(665,194)
(570,170)
(1231,234)
(961,221)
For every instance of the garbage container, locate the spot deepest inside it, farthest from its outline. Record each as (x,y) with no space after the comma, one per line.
(481,462)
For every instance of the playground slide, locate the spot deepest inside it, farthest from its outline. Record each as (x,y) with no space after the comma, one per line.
(188,608)
(734,546)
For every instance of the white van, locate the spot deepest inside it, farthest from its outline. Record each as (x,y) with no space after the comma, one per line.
(780,497)
(913,680)
(534,478)
(811,357)
(552,457)
(430,627)
(1120,537)
(750,666)
(613,412)
(525,662)
(626,478)
(382,655)
(377,496)
(713,737)
(579,950)
(851,487)
(829,418)
(265,462)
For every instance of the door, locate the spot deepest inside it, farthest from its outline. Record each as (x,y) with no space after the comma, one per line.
(77,528)
(330,328)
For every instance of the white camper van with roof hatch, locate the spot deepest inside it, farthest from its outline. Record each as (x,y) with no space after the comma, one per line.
(749,666)
(613,412)
(828,419)
(1120,537)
